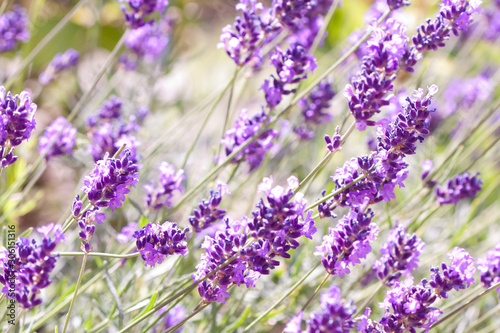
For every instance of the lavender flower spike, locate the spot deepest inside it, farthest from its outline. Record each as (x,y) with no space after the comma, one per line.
(60,62)
(13,28)
(489,266)
(208,212)
(169,182)
(107,184)
(138,10)
(459,187)
(63,144)
(399,255)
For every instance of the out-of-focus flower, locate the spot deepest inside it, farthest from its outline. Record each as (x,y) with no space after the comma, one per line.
(172,317)
(13,28)
(489,266)
(60,62)
(169,182)
(59,139)
(127,232)
(459,187)
(137,11)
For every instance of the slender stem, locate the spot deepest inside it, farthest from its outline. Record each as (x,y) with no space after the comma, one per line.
(321,32)
(97,254)
(367,301)
(278,302)
(309,301)
(75,294)
(44,42)
(15,321)
(465,305)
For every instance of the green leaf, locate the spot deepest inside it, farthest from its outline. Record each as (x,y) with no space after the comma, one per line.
(27,232)
(149,307)
(143,222)
(240,320)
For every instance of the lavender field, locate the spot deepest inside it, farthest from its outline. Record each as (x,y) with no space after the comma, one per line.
(242,166)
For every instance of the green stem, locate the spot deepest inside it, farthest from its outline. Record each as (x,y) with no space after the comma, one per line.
(309,301)
(75,294)
(43,43)
(326,23)
(278,302)
(98,254)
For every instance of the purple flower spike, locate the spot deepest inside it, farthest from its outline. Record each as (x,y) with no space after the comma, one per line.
(108,183)
(459,187)
(313,109)
(149,41)
(137,10)
(63,144)
(127,232)
(156,242)
(111,108)
(399,255)
(13,28)
(334,142)
(208,212)
(348,242)
(31,266)
(335,314)
(60,62)
(458,275)
(489,266)
(244,128)
(396,4)
(169,182)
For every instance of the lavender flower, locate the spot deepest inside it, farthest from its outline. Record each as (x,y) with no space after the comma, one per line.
(348,242)
(459,187)
(149,41)
(399,255)
(110,109)
(155,242)
(369,88)
(244,128)
(250,31)
(335,315)
(13,28)
(60,62)
(138,10)
(291,67)
(17,122)
(458,275)
(86,223)
(127,232)
(169,182)
(171,318)
(334,142)
(208,212)
(49,146)
(108,183)
(489,266)
(313,107)
(31,266)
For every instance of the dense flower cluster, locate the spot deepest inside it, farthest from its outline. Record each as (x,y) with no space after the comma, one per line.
(489,266)
(408,306)
(17,122)
(244,128)
(155,242)
(30,265)
(169,182)
(244,39)
(208,211)
(313,109)
(147,42)
(291,68)
(108,183)
(59,139)
(335,315)
(137,11)
(109,131)
(13,28)
(460,187)
(60,62)
(348,242)
(275,227)
(399,255)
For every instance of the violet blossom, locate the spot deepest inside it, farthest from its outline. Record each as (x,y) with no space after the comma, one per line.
(59,63)
(489,266)
(460,187)
(169,182)
(208,211)
(59,139)
(13,28)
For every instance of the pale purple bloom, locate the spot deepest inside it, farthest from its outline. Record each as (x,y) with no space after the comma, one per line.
(489,266)
(127,232)
(59,139)
(294,325)
(137,11)
(13,28)
(335,314)
(149,41)
(155,242)
(60,62)
(460,187)
(426,168)
(169,319)
(169,182)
